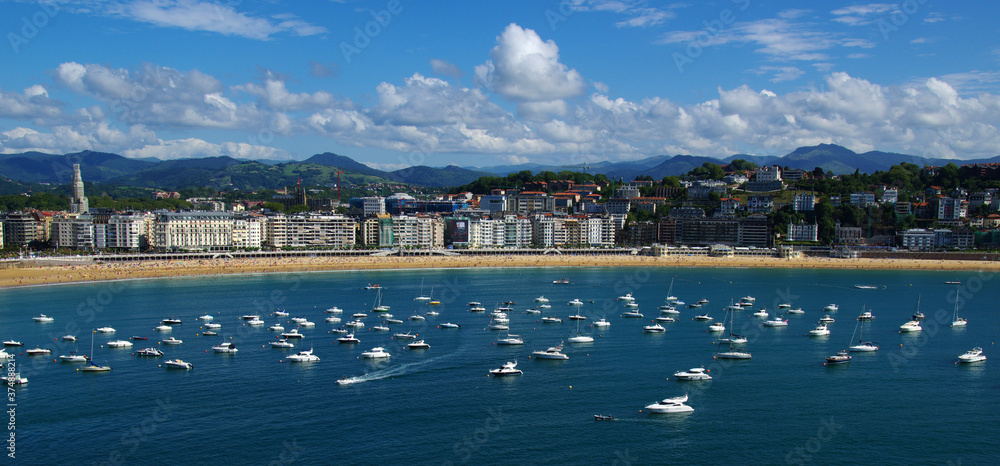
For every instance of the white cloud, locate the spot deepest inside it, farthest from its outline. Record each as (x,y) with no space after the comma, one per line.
(862,15)
(780,73)
(524,68)
(638,13)
(196,15)
(446,68)
(273,94)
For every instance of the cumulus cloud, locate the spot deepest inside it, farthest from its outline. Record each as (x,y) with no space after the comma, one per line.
(216,17)
(525,68)
(445,68)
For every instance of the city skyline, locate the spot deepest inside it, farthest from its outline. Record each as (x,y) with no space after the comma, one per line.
(394,83)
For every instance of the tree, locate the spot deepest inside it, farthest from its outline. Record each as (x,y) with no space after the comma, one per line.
(741,165)
(274,206)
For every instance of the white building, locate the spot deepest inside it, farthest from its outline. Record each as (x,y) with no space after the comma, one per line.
(890,196)
(803,232)
(863,199)
(178,231)
(310,230)
(772,173)
(494,203)
(374,205)
(919,239)
(73,232)
(249,231)
(804,202)
(128,231)
(424,232)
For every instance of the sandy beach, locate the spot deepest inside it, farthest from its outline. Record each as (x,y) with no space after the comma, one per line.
(28,276)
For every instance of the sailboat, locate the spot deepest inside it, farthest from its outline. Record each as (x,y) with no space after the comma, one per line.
(958,321)
(732,338)
(730,353)
(91,366)
(432,301)
(670,296)
(580,337)
(421,297)
(378,302)
(862,346)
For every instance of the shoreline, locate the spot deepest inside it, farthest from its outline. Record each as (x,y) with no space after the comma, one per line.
(98,272)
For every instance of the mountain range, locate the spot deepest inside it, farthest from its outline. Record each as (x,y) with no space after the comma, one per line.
(322,169)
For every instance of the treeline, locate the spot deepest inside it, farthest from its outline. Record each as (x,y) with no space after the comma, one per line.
(485,184)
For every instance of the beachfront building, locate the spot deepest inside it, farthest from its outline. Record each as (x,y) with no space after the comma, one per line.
(548,231)
(249,231)
(847,235)
(803,232)
(310,231)
(128,231)
(73,232)
(21,228)
(184,231)
(418,232)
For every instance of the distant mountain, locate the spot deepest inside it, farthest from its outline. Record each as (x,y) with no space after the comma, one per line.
(436,177)
(37,167)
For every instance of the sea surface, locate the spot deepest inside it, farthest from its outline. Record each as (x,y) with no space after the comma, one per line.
(909,403)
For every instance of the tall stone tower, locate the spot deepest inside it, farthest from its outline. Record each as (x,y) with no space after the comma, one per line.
(78,203)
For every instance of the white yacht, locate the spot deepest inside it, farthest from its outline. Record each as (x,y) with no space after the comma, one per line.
(631,305)
(304,356)
(717,327)
(477,303)
(776,322)
(334,310)
(417,317)
(332,320)
(42,318)
(15,379)
(163,328)
(432,313)
(276,328)
(545,306)
(533,311)
(512,340)
(575,302)
(602,322)
(863,347)
(255,322)
(761,313)
(973,355)
(668,309)
(178,364)
(634,313)
(866,315)
(665,319)
(72,357)
(357,315)
(831,308)
(377,352)
(206,317)
(820,330)
(227,348)
(282,343)
(392,321)
(551,320)
(827,320)
(842,357)
(784,306)
(153,352)
(541,299)
(171,321)
(704,317)
(405,336)
(670,406)
(697,373)
(69,337)
(380,328)
(509,368)
(105,330)
(282,313)
(449,325)
(38,351)
(554,352)
(303,324)
(577,317)
(418,344)
(293,333)
(119,344)
(797,310)
(249,316)
(627,298)
(477,308)
(12,343)
(172,341)
(911,326)
(348,339)
(655,328)
(499,326)
(355,324)
(213,326)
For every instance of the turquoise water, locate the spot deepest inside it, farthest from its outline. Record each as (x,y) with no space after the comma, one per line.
(903,404)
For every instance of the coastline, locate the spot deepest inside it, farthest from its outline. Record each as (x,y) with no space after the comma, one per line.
(50,275)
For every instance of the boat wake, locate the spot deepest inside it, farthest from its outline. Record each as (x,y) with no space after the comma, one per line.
(405,369)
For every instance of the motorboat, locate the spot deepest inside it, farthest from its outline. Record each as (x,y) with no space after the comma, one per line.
(119,344)
(784,306)
(178,364)
(276,328)
(697,373)
(371,286)
(634,313)
(138,338)
(15,379)
(601,417)
(744,304)
(355,324)
(304,356)
(703,317)
(545,306)
(797,310)
(338,331)
(911,326)
(357,315)
(282,343)
(209,333)
(973,355)
(405,336)
(432,313)
(668,309)
(541,299)
(380,328)
(72,357)
(918,316)
(694,306)
(255,322)
(250,317)
(213,326)
(841,357)
(171,321)
(867,315)
(4,355)
(631,305)
(377,352)
(163,328)
(551,320)
(554,352)
(627,298)
(417,317)
(703,301)
(227,348)
(477,309)
(820,330)
(105,330)
(665,319)
(332,320)
(477,303)
(509,368)
(303,324)
(734,339)
(348,339)
(866,287)
(282,313)
(393,321)
(831,308)
(334,310)
(499,326)
(38,351)
(717,327)
(206,317)
(172,341)
(12,343)
(577,317)
(449,325)
(293,333)
(761,313)
(863,347)
(602,322)
(575,302)
(827,320)
(733,354)
(563,281)
(511,340)
(418,344)
(748,299)
(154,352)
(670,406)
(776,322)
(655,328)
(69,337)
(42,318)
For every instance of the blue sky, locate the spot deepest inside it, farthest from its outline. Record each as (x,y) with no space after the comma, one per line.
(398,83)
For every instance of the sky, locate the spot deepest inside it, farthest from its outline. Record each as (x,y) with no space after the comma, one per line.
(397,83)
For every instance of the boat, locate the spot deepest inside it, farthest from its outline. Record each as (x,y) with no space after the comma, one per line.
(655,328)
(510,340)
(334,310)
(631,305)
(958,321)
(432,313)
(477,308)
(577,317)
(564,281)
(973,355)
(434,303)
(420,297)
(38,351)
(276,328)
(293,333)
(332,320)
(172,341)
(282,313)
(449,325)
(784,306)
(418,344)
(213,326)
(775,322)
(119,344)
(702,317)
(551,320)
(862,346)
(842,357)
(554,352)
(827,320)
(206,317)
(281,343)
(163,328)
(748,299)
(171,321)
(866,287)
(761,313)
(628,298)
(303,324)
(250,316)
(474,304)
(634,313)
(380,328)
(694,306)
(797,310)
(545,306)
(373,286)
(404,336)
(580,337)
(601,417)
(717,327)
(670,293)
(4,355)
(69,337)
(15,379)
(665,319)
(417,317)
(257,322)
(154,352)
(355,324)
(209,333)
(831,308)
(541,299)
(225,348)
(91,365)
(105,330)
(178,364)
(498,326)
(379,307)
(575,302)
(42,318)
(348,339)
(72,357)
(509,368)
(668,309)
(733,339)
(697,373)
(952,282)
(670,406)
(304,356)
(866,315)
(12,343)
(358,315)
(602,322)
(377,352)
(910,326)
(703,301)
(819,331)
(139,338)
(393,321)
